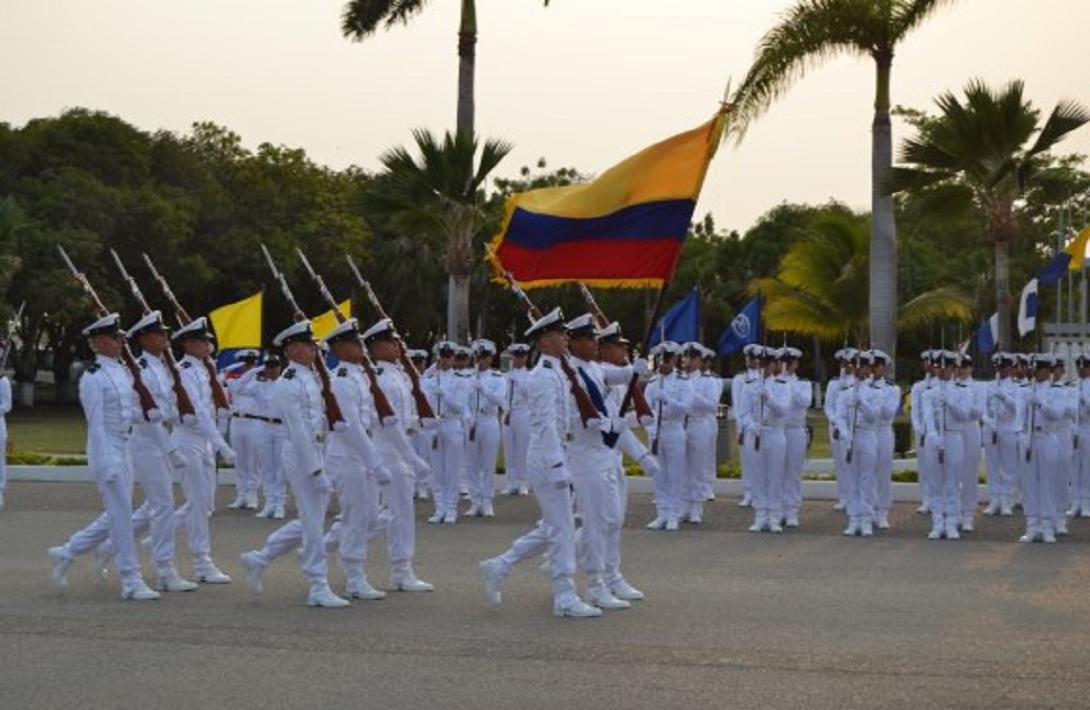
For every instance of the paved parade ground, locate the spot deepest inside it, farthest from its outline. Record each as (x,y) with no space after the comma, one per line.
(732,619)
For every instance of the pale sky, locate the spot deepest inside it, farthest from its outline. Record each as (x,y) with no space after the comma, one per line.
(583,83)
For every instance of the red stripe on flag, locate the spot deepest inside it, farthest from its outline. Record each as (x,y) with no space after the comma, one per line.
(607,259)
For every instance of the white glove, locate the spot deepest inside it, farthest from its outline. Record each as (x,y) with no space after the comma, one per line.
(420,466)
(640,367)
(560,476)
(650,465)
(429,423)
(381,474)
(227,454)
(189,420)
(646,420)
(321,482)
(391,421)
(154,415)
(176,459)
(604,425)
(340,426)
(619,424)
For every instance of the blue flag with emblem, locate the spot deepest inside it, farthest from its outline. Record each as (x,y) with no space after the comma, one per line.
(681,323)
(743,330)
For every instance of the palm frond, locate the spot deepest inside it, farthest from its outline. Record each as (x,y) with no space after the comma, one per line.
(1065,117)
(907,15)
(941,304)
(362,18)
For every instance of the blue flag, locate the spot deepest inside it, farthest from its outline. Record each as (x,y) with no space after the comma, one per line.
(681,323)
(743,330)
(986,334)
(1055,270)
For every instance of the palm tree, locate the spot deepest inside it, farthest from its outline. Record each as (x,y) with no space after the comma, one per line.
(983,151)
(431,195)
(817,288)
(361,18)
(816,30)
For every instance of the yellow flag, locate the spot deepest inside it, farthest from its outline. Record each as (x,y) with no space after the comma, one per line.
(238,325)
(328,321)
(1077,250)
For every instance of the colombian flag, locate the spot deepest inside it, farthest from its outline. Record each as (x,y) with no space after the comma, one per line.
(623,229)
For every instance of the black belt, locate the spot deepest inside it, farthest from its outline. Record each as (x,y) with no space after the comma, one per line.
(258,417)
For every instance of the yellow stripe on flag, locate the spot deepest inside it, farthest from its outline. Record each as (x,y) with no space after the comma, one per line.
(327,321)
(238,325)
(1077,250)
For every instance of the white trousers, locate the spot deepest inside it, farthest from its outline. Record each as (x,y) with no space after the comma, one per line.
(481,453)
(269,447)
(613,534)
(153,472)
(116,519)
(673,469)
(398,495)
(700,453)
(245,440)
(796,460)
(1080,470)
(597,495)
(839,448)
(1038,479)
(860,473)
(516,440)
(1001,456)
(1065,455)
(751,461)
(3,461)
(768,485)
(925,459)
(945,477)
(422,445)
(447,458)
(198,484)
(554,533)
(970,469)
(307,529)
(358,499)
(883,470)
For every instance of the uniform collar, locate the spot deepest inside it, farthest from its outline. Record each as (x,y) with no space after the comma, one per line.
(104,361)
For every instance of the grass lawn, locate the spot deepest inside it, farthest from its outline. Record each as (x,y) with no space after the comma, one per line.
(47,429)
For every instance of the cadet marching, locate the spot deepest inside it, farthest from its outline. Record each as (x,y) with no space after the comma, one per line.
(359,434)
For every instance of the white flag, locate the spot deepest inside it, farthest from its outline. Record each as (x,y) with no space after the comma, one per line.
(1027,309)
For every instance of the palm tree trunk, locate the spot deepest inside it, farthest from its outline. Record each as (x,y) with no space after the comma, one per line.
(467,60)
(458,308)
(1002,293)
(883,238)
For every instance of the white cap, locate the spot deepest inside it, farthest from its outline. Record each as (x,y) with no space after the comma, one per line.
(879,356)
(418,354)
(300,331)
(196,328)
(612,333)
(666,347)
(349,329)
(581,325)
(248,354)
(793,353)
(693,346)
(484,345)
(109,324)
(380,329)
(518,348)
(709,354)
(151,321)
(752,350)
(553,320)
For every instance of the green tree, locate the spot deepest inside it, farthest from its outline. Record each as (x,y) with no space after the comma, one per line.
(361,18)
(989,151)
(817,30)
(816,289)
(428,194)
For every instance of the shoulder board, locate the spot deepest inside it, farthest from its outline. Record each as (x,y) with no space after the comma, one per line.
(378,371)
(1057,384)
(143,362)
(960,384)
(890,382)
(547,363)
(682,376)
(342,372)
(462,375)
(781,381)
(289,374)
(94,367)
(875,385)
(1023,384)
(496,373)
(187,364)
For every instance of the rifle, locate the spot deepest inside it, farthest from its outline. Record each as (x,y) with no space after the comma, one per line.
(7,347)
(639,399)
(587,410)
(147,402)
(423,407)
(333,413)
(382,404)
(185,405)
(219,397)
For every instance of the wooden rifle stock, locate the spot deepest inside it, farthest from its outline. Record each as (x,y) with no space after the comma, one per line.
(382,405)
(147,402)
(219,396)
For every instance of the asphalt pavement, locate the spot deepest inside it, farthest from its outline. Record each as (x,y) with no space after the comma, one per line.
(732,619)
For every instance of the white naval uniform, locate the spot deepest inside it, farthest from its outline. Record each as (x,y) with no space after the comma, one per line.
(857,420)
(297,400)
(1002,419)
(487,393)
(837,438)
(197,441)
(268,436)
(5,407)
(631,445)
(151,450)
(971,440)
(516,430)
(593,466)
(447,392)
(245,435)
(355,466)
(890,402)
(111,408)
(701,432)
(748,462)
(946,408)
(1042,412)
(924,457)
(1080,468)
(399,458)
(670,399)
(765,405)
(802,395)
(1068,396)
(550,403)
